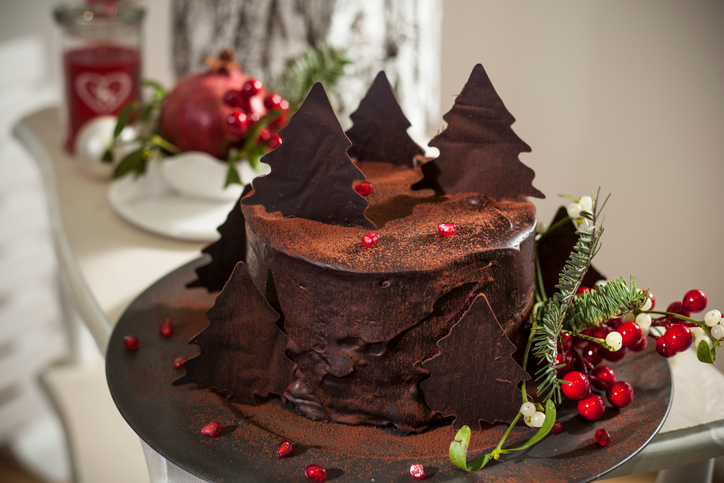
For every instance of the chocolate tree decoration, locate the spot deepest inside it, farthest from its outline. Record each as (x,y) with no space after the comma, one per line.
(311,174)
(554,250)
(380,127)
(224,252)
(475,378)
(242,349)
(478,149)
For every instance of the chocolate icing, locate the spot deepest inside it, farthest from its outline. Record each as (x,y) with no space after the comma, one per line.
(380,127)
(478,149)
(475,378)
(311,174)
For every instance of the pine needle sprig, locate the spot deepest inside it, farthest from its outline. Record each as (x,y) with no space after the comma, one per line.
(610,300)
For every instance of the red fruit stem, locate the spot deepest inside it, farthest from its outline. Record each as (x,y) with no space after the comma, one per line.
(586,365)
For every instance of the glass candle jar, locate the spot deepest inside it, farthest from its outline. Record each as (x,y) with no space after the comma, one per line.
(101,60)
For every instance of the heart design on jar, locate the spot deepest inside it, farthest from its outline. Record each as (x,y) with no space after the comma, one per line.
(103,93)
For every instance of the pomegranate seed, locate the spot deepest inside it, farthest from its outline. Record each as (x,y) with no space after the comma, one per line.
(662,349)
(602,437)
(630,333)
(285,449)
(166,328)
(694,301)
(370,239)
(678,338)
(641,345)
(251,87)
(315,473)
(591,407)
(446,229)
(274,141)
(236,125)
(233,98)
(620,394)
(131,342)
(212,429)
(418,471)
(557,428)
(603,377)
(364,188)
(178,363)
(578,386)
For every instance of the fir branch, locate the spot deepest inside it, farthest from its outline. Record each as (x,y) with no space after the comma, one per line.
(610,300)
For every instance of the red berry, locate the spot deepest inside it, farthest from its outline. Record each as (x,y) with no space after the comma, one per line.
(446,229)
(578,386)
(592,353)
(602,437)
(557,428)
(236,125)
(602,377)
(251,87)
(591,407)
(620,394)
(178,363)
(581,290)
(694,301)
(233,98)
(264,136)
(418,471)
(641,345)
(212,429)
(370,239)
(613,356)
(274,141)
(274,101)
(565,342)
(678,338)
(662,349)
(285,449)
(364,188)
(131,342)
(315,473)
(630,333)
(677,308)
(565,360)
(166,328)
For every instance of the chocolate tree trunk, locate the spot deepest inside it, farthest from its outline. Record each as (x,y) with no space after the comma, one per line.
(402,38)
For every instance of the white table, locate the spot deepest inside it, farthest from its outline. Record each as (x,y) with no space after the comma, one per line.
(105,263)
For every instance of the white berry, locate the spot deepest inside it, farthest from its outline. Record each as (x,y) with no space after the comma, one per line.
(697,332)
(712,317)
(527,409)
(717,332)
(648,304)
(614,340)
(574,210)
(643,321)
(702,338)
(586,203)
(628,317)
(537,419)
(541,228)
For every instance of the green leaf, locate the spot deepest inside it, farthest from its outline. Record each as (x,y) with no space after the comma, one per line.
(166,146)
(548,423)
(705,353)
(123,118)
(459,452)
(133,161)
(108,155)
(232,176)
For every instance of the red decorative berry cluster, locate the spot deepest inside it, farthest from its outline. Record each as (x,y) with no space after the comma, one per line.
(245,107)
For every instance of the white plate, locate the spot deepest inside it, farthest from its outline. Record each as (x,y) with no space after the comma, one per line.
(150,203)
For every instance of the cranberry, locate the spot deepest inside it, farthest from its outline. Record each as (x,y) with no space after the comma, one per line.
(166,328)
(603,377)
(178,363)
(233,98)
(251,87)
(641,345)
(285,449)
(591,407)
(418,471)
(630,333)
(557,428)
(274,141)
(370,239)
(446,229)
(592,353)
(662,349)
(678,338)
(315,473)
(620,394)
(236,125)
(694,301)
(565,342)
(578,386)
(364,188)
(131,342)
(602,437)
(212,429)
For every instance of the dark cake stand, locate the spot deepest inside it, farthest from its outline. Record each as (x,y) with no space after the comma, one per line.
(169,418)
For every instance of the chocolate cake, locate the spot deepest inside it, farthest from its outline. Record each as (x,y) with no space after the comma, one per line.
(418,327)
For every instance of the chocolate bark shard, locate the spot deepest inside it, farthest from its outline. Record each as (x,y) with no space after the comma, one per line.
(311,174)
(554,250)
(474,378)
(242,349)
(224,252)
(380,127)
(479,150)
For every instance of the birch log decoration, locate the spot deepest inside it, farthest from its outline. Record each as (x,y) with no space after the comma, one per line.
(401,37)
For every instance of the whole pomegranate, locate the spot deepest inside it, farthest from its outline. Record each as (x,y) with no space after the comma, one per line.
(215,110)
